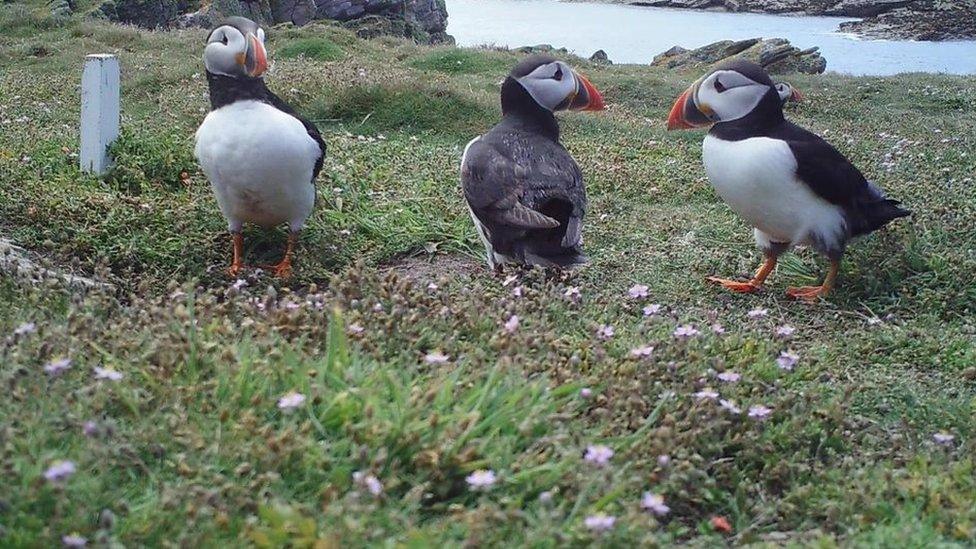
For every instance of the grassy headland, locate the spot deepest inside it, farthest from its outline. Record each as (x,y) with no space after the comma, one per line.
(190,448)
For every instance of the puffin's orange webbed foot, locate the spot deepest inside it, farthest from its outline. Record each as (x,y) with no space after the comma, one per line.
(741,287)
(283,269)
(809,294)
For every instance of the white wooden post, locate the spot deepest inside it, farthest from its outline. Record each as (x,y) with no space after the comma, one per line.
(99,111)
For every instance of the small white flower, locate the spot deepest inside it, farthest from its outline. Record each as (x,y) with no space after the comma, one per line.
(758,312)
(706,394)
(729,377)
(25,328)
(642,352)
(652,309)
(355,329)
(655,504)
(598,454)
(240,283)
(759,411)
(944,438)
(599,523)
(60,471)
(637,291)
(586,392)
(663,460)
(481,480)
(573,294)
(686,331)
(512,324)
(73,540)
(718,329)
(370,482)
(730,406)
(509,280)
(436,357)
(291,401)
(517,291)
(605,332)
(57,367)
(785,331)
(787,360)
(107,374)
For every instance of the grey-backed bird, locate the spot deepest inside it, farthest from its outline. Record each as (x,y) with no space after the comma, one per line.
(524,191)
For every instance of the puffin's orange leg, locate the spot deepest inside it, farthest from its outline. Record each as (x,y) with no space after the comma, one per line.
(283,269)
(237,263)
(812,293)
(748,286)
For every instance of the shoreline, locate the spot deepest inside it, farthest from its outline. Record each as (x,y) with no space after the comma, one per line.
(894,21)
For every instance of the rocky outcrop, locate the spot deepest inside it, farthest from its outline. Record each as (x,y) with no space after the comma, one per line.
(421,20)
(600,57)
(938,21)
(776,55)
(905,19)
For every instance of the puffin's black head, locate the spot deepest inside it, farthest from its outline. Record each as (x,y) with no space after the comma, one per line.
(788,93)
(235,48)
(730,92)
(552,85)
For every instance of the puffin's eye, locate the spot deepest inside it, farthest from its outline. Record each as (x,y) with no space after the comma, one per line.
(224,40)
(719,87)
(559,74)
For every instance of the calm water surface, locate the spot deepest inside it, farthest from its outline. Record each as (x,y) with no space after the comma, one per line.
(631,34)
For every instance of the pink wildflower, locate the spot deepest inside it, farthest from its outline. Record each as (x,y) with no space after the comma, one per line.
(655,504)
(759,411)
(637,291)
(512,324)
(59,471)
(598,454)
(481,480)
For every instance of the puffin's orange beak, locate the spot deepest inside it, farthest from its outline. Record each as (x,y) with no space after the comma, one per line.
(685,114)
(797,96)
(588,98)
(256,59)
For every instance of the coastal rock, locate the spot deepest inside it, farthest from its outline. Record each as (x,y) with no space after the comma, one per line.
(939,21)
(601,57)
(424,21)
(776,55)
(900,19)
(542,48)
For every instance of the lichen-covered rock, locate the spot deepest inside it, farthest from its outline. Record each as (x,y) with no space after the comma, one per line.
(776,55)
(933,20)
(601,58)
(424,21)
(904,19)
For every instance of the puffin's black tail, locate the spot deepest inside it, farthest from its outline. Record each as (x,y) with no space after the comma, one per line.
(547,247)
(873,211)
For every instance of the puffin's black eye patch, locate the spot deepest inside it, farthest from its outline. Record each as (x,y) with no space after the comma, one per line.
(558,77)
(224,40)
(719,87)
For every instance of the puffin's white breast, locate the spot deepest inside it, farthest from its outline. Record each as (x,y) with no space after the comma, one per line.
(259,161)
(757,178)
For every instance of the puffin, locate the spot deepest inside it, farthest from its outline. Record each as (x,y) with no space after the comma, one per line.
(788,93)
(793,187)
(260,156)
(523,189)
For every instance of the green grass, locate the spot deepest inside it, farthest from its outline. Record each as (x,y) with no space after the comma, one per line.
(319,49)
(190,447)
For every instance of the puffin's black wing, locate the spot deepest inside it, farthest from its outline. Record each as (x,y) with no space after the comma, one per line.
(831,176)
(493,187)
(529,196)
(313,132)
(823,168)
